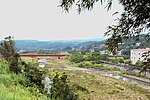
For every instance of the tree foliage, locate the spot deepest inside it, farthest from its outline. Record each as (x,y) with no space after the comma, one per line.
(76,57)
(134,20)
(8,52)
(146,63)
(81,4)
(7,48)
(60,89)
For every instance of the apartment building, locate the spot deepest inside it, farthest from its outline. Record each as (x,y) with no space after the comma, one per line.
(136,54)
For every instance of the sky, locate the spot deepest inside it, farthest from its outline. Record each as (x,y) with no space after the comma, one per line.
(44,20)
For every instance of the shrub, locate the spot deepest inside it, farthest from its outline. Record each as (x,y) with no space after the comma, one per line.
(60,89)
(115,69)
(114,60)
(79,64)
(14,67)
(87,57)
(4,68)
(87,64)
(76,57)
(139,63)
(121,60)
(104,68)
(97,56)
(35,75)
(98,66)
(127,62)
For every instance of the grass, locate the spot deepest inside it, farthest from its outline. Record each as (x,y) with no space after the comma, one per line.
(104,88)
(13,86)
(91,86)
(11,90)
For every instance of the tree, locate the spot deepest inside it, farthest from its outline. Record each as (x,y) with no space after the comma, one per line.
(139,63)
(7,48)
(60,89)
(96,56)
(125,52)
(76,57)
(134,20)
(146,63)
(8,52)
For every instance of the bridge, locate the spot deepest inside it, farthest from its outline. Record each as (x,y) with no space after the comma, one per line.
(44,55)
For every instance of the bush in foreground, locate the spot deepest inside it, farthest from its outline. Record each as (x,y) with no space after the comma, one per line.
(60,89)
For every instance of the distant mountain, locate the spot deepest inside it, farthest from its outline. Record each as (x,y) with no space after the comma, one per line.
(55,44)
(75,40)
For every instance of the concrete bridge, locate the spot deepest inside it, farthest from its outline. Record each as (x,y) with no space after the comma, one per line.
(44,55)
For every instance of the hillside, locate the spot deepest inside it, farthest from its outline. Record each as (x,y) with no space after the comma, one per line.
(55,45)
(81,45)
(128,44)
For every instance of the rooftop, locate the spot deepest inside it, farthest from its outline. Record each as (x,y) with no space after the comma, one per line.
(146,49)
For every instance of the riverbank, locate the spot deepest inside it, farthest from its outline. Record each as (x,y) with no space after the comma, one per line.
(126,69)
(66,65)
(91,84)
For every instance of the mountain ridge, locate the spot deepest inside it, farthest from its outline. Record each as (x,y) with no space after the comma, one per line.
(54,44)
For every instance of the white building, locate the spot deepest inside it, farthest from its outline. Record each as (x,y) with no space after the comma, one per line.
(136,54)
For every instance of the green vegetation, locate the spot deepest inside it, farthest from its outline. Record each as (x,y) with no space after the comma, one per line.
(133,21)
(76,57)
(60,89)
(88,64)
(75,84)
(49,47)
(95,56)
(25,80)
(30,84)
(133,44)
(15,86)
(117,60)
(8,52)
(34,46)
(94,60)
(94,86)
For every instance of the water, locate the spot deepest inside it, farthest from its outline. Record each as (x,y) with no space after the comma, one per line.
(124,78)
(117,76)
(129,79)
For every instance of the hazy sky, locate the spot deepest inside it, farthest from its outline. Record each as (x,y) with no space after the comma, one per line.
(42,19)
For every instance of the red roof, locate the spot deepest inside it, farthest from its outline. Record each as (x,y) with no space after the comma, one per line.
(147,49)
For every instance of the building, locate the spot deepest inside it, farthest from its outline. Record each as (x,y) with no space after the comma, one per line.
(136,55)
